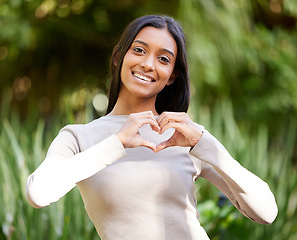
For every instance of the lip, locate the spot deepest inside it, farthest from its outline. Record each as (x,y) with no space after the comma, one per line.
(143,77)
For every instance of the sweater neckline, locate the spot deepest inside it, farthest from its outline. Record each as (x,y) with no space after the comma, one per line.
(118,116)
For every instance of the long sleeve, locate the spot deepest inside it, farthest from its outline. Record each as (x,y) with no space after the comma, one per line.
(65,165)
(249,194)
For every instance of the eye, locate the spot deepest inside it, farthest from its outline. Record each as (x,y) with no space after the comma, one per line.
(164,59)
(138,50)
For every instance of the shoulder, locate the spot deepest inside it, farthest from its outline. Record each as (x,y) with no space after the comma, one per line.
(75,138)
(95,125)
(74,128)
(87,135)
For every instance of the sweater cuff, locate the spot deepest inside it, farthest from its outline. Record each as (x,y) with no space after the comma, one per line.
(210,150)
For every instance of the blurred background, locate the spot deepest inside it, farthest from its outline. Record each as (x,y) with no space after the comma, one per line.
(54,58)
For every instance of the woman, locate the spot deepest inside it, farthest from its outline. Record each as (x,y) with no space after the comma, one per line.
(136,167)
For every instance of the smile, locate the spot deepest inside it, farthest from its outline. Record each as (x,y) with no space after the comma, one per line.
(144,78)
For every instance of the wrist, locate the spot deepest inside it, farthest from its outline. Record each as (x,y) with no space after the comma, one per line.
(118,135)
(197,140)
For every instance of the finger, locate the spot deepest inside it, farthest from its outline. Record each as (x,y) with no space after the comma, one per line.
(166,117)
(147,114)
(171,124)
(140,121)
(131,127)
(163,118)
(148,144)
(151,120)
(155,128)
(153,123)
(160,147)
(171,115)
(190,132)
(165,144)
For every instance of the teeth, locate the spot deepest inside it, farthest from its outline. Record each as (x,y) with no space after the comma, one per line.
(143,77)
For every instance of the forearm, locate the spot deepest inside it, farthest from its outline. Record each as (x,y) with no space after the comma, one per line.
(249,193)
(57,175)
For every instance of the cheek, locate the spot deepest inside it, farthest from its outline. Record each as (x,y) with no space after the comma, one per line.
(166,74)
(127,64)
(124,68)
(128,59)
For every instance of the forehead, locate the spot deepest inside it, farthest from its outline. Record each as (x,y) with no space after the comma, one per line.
(156,37)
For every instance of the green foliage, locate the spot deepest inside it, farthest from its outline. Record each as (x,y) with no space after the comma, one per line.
(23,146)
(242,56)
(233,57)
(59,45)
(271,162)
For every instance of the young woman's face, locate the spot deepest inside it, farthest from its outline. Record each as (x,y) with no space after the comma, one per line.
(149,63)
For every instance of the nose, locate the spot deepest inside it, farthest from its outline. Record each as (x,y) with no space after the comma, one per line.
(148,64)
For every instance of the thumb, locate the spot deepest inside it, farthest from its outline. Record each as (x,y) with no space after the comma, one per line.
(165,144)
(148,144)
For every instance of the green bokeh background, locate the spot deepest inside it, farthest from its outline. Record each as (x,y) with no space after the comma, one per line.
(54,71)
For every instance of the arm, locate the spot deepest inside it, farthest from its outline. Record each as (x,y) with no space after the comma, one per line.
(249,194)
(64,166)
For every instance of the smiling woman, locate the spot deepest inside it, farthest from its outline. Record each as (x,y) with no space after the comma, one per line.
(148,66)
(136,167)
(173,97)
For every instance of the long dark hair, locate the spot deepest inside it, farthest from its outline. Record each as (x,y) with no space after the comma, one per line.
(175,97)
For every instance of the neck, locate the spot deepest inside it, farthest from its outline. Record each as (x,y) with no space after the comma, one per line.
(126,106)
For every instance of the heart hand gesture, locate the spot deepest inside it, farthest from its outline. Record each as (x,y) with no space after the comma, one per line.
(186,134)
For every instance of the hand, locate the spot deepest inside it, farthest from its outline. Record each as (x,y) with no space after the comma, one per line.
(129,133)
(186,134)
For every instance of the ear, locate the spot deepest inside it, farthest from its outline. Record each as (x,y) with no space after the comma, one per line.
(172,78)
(115,55)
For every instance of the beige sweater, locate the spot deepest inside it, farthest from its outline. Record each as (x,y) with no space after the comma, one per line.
(138,194)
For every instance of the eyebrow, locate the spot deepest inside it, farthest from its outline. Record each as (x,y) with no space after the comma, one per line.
(163,49)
